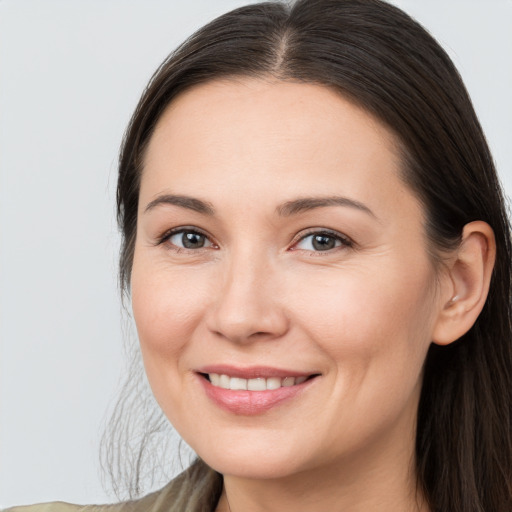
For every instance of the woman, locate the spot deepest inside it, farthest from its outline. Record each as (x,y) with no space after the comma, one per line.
(318,257)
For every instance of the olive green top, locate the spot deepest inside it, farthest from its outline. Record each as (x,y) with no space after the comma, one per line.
(155,502)
(197,489)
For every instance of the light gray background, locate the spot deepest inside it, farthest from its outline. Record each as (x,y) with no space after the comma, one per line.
(70,76)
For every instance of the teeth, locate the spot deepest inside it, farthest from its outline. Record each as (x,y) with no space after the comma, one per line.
(258,384)
(224,381)
(273,383)
(289,381)
(236,383)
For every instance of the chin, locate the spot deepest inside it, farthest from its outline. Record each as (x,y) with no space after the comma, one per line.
(252,461)
(256,469)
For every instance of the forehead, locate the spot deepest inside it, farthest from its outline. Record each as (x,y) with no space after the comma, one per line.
(244,109)
(284,136)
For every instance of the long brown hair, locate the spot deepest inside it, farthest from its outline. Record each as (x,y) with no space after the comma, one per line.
(376,55)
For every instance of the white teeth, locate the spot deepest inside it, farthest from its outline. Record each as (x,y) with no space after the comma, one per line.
(273,383)
(236,383)
(224,381)
(257,384)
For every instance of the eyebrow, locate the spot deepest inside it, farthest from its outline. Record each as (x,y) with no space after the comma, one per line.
(287,209)
(310,203)
(191,203)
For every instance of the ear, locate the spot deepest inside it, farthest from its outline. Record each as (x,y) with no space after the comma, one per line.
(469,276)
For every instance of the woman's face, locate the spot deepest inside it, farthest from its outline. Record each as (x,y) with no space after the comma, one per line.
(278,250)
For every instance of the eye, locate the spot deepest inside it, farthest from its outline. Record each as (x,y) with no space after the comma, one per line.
(187,239)
(322,241)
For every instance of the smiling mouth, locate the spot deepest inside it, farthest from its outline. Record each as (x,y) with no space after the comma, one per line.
(256,384)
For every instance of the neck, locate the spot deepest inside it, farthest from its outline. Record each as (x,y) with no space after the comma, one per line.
(378,479)
(272,497)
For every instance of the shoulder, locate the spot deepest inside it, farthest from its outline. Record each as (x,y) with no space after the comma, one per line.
(60,506)
(196,489)
(151,503)
(57,506)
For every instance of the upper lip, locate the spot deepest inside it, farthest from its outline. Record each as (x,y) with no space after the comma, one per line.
(253,372)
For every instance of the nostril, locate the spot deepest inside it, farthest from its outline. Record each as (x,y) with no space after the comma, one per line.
(243,314)
(259,334)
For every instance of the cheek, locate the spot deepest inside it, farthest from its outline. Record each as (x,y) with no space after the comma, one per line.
(365,317)
(375,329)
(167,306)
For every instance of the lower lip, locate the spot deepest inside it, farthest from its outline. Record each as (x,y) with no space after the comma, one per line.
(250,403)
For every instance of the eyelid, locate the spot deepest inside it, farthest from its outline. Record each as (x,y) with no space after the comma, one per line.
(162,239)
(346,242)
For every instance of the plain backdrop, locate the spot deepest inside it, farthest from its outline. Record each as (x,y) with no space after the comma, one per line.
(70,76)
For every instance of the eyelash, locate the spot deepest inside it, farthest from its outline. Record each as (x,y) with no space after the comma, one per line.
(176,231)
(345,242)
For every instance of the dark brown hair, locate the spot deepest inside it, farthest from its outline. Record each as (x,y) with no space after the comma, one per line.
(376,55)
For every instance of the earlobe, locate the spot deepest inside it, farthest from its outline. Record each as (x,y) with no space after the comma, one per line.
(470,272)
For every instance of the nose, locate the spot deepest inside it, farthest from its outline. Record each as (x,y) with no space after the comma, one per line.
(248,304)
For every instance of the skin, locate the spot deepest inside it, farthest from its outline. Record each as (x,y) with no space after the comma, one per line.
(362,314)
